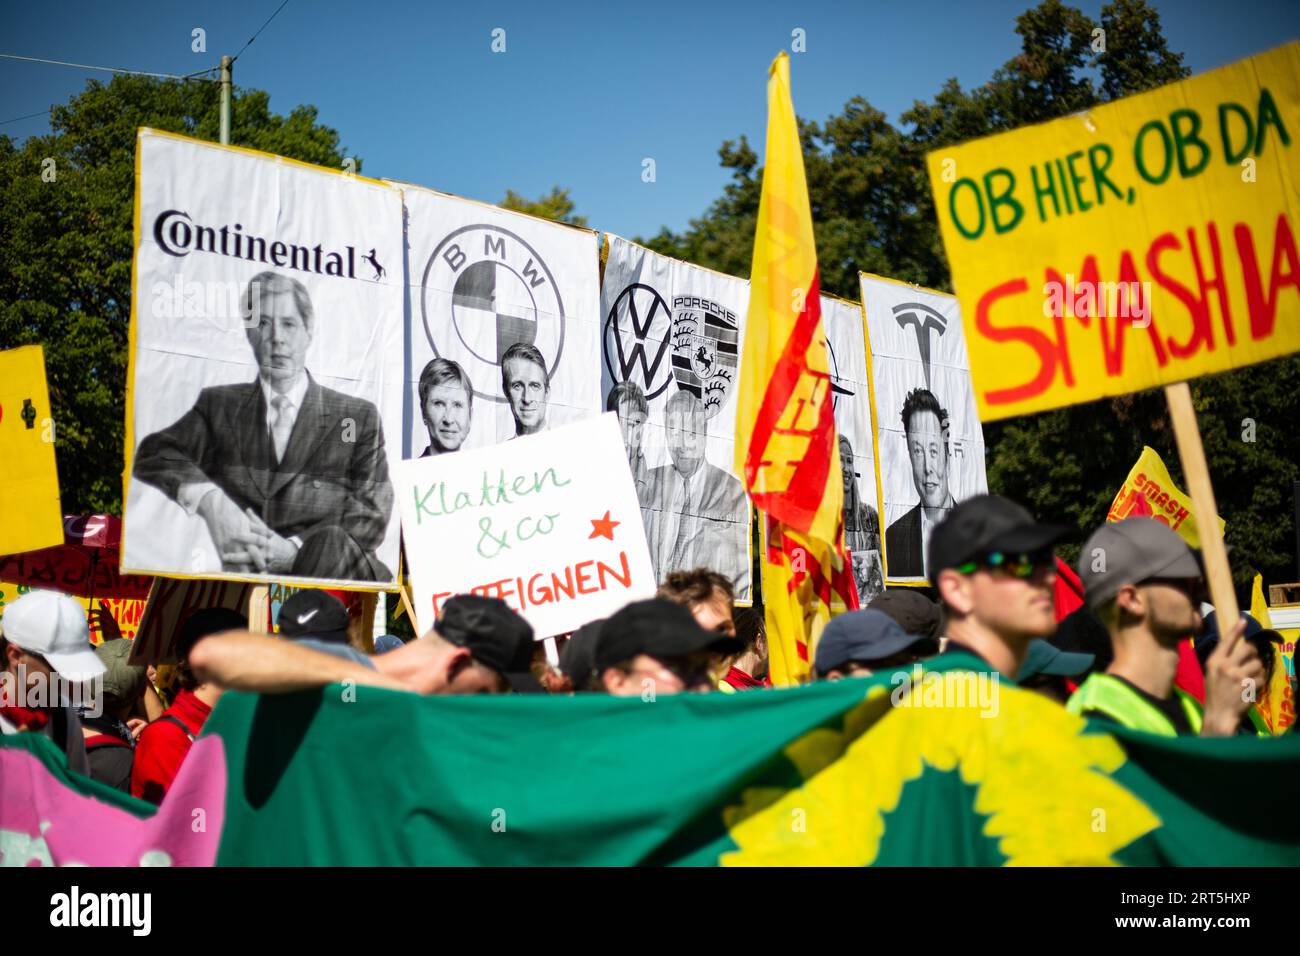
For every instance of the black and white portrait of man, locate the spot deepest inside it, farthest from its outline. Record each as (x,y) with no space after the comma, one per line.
(699,515)
(861,531)
(628,401)
(289,476)
(926,431)
(527,387)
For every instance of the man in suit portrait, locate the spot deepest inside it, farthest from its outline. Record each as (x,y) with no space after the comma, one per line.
(289,476)
(698,512)
(629,402)
(925,426)
(527,385)
(446,403)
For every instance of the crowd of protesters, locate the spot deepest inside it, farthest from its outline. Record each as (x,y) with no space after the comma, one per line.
(1122,658)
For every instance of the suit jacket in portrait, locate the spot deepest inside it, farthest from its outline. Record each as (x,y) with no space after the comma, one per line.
(903,547)
(718,525)
(327,486)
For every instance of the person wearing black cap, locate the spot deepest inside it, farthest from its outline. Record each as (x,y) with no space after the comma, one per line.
(914,612)
(478,645)
(314,615)
(993,566)
(1145,585)
(860,643)
(656,647)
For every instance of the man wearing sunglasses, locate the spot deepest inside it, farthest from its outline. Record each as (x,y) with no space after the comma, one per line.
(993,566)
(1145,584)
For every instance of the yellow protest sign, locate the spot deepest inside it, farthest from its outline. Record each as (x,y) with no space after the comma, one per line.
(126,611)
(29,479)
(1143,242)
(1276,704)
(1149,492)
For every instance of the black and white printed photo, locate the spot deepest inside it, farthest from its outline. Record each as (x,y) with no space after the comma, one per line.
(671,335)
(847,353)
(527,387)
(446,406)
(265,398)
(289,476)
(928,431)
(510,302)
(698,511)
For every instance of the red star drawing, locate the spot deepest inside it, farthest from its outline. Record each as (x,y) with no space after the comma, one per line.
(603,527)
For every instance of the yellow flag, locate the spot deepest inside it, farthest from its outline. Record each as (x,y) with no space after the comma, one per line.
(786,447)
(1149,492)
(29,480)
(1276,703)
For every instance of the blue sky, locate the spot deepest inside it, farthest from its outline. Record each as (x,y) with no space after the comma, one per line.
(584,91)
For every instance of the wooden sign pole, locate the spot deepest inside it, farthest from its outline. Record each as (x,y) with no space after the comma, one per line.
(410,611)
(259,610)
(1192,454)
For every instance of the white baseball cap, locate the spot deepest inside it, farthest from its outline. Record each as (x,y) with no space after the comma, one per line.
(54,626)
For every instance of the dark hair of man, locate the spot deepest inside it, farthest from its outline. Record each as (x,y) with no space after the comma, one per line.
(268,284)
(441,371)
(528,353)
(750,625)
(689,588)
(923,400)
(627,393)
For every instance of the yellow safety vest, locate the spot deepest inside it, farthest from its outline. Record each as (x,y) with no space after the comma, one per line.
(1115,699)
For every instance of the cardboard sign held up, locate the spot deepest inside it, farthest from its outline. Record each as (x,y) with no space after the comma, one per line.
(29,479)
(549,523)
(1141,243)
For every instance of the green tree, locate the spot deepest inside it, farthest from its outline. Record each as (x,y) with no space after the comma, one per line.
(873,211)
(66,248)
(556,206)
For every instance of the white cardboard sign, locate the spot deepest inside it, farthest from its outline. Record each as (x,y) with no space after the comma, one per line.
(549,523)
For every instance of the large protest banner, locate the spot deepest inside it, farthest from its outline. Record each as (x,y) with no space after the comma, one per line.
(951,776)
(670,341)
(931,445)
(1143,242)
(496,295)
(264,387)
(549,523)
(29,479)
(1150,492)
(854,422)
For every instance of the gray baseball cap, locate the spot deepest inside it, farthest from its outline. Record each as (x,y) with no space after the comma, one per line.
(1130,552)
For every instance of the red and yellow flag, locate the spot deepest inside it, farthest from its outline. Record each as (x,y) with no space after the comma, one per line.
(785,427)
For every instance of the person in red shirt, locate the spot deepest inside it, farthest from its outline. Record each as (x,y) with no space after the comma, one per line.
(749,667)
(163,745)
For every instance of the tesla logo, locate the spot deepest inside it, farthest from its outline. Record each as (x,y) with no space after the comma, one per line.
(922,318)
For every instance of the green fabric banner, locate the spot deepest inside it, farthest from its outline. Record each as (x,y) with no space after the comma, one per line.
(946,767)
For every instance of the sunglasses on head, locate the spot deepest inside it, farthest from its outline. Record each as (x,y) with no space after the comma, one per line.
(1022,565)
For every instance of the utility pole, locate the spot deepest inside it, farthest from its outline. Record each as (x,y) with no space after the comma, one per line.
(225,100)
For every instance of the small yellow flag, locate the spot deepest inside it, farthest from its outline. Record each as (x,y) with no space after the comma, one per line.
(1276,702)
(1149,492)
(29,480)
